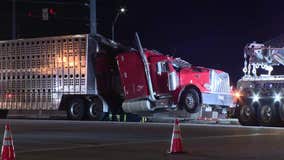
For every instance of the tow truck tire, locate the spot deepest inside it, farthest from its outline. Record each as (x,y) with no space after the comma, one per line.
(191,101)
(268,115)
(95,110)
(76,109)
(247,115)
(281,112)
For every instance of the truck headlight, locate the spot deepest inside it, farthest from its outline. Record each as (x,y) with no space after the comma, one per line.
(277,97)
(255,98)
(237,94)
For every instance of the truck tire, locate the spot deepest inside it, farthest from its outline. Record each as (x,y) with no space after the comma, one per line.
(95,110)
(247,115)
(281,112)
(76,109)
(3,113)
(268,115)
(190,101)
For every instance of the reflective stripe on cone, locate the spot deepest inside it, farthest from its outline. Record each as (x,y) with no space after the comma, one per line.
(8,152)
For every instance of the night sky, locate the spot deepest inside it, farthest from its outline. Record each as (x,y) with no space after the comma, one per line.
(204,32)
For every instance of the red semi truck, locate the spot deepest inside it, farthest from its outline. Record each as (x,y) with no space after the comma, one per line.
(89,76)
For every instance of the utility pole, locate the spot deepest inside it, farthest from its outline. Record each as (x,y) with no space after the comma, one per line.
(14,19)
(93,23)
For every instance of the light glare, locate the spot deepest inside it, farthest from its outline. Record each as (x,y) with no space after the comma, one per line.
(122,10)
(237,94)
(277,98)
(255,98)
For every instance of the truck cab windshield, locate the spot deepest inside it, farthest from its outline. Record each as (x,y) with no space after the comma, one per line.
(178,64)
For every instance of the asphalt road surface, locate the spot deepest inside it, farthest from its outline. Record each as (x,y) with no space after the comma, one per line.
(70,140)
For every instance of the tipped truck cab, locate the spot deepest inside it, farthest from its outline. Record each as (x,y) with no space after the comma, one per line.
(176,84)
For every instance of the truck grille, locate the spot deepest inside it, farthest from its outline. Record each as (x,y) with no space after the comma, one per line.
(220,82)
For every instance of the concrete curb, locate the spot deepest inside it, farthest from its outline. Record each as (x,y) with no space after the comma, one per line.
(228,121)
(195,121)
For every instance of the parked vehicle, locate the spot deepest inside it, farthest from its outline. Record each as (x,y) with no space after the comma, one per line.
(260,94)
(90,76)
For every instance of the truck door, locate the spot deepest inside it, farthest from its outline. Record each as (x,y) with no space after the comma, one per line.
(132,74)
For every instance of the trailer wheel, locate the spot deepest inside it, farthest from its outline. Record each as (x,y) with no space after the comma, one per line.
(95,110)
(247,115)
(191,101)
(268,115)
(76,110)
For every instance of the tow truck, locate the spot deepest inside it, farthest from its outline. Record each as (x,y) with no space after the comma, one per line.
(260,91)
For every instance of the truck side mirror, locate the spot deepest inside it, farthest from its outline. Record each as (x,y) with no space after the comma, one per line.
(162,67)
(173,80)
(159,68)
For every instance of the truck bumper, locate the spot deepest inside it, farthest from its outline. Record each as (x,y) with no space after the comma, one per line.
(217,99)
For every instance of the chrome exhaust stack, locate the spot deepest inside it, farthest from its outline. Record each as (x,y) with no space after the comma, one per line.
(146,68)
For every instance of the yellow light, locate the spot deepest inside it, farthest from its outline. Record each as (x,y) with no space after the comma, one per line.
(71,64)
(237,95)
(64,59)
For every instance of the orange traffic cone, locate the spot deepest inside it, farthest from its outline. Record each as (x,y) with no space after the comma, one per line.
(8,152)
(176,142)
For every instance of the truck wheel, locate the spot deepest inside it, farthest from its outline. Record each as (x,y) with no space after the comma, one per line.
(95,110)
(3,113)
(191,101)
(76,110)
(247,115)
(268,115)
(281,112)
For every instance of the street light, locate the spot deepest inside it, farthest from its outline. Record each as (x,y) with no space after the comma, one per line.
(122,10)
